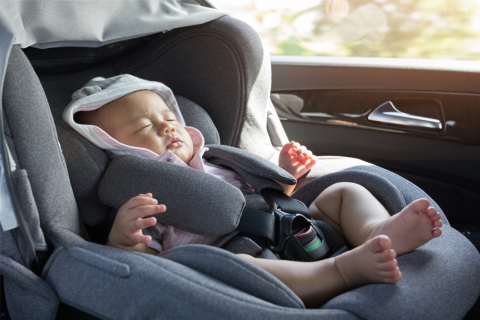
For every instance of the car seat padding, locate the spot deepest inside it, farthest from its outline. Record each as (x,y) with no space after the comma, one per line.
(183,191)
(260,173)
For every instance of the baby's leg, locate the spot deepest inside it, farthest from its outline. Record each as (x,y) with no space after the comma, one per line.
(317,282)
(356,213)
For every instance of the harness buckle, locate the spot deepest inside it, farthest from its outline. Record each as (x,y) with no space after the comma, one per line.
(298,238)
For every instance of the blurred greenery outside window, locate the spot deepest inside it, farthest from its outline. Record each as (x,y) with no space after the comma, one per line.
(416,29)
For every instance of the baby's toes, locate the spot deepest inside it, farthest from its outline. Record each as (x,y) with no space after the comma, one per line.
(396,276)
(388,265)
(437,224)
(390,273)
(436,233)
(379,243)
(385,256)
(433,214)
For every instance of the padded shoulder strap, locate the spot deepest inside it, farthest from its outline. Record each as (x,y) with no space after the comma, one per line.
(256,170)
(182,190)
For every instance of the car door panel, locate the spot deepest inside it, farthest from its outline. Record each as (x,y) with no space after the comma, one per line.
(325,104)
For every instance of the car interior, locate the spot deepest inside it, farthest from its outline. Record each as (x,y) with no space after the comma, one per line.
(404,130)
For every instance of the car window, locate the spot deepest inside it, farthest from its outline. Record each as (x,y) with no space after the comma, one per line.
(413,29)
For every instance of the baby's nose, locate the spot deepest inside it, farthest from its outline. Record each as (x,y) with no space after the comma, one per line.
(169,128)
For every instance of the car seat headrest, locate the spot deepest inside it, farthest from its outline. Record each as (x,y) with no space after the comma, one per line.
(86,163)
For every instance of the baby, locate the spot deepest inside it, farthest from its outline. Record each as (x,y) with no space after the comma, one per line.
(141,120)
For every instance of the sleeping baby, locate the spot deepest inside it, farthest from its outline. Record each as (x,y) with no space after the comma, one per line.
(128,115)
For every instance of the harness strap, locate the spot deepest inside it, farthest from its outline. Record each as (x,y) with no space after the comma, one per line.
(286,203)
(258,223)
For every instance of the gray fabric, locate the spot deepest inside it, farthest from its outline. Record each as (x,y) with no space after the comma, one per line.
(153,232)
(179,284)
(27,295)
(59,88)
(275,130)
(12,245)
(96,260)
(172,185)
(254,135)
(86,165)
(54,23)
(267,254)
(440,281)
(8,137)
(258,202)
(257,171)
(189,256)
(29,209)
(240,244)
(329,164)
(382,189)
(35,138)
(196,117)
(409,191)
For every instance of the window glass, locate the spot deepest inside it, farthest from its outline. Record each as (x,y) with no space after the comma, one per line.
(420,29)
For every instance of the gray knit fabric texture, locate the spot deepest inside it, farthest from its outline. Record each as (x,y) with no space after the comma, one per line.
(86,165)
(442,270)
(182,190)
(256,170)
(36,145)
(29,209)
(196,117)
(27,295)
(385,191)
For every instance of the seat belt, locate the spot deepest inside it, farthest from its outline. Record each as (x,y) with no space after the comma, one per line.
(289,230)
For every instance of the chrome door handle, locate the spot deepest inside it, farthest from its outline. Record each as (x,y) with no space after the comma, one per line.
(388,114)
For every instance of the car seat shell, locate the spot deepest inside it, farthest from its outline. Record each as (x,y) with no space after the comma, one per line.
(181,281)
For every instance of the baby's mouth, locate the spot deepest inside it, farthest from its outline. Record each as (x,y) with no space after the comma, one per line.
(174,143)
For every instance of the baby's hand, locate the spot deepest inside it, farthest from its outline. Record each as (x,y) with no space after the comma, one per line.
(127,228)
(296,159)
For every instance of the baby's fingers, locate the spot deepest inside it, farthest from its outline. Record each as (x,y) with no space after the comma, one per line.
(286,149)
(140,238)
(310,162)
(140,224)
(300,153)
(140,200)
(148,210)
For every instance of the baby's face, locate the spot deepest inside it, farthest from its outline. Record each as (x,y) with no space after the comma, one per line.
(142,119)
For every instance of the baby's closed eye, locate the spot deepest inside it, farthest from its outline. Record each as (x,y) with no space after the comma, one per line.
(143,127)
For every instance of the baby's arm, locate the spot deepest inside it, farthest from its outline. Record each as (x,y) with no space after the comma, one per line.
(127,228)
(296,160)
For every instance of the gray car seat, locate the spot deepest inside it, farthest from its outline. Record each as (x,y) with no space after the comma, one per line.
(222,68)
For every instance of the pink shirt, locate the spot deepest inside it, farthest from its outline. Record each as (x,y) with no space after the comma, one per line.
(174,237)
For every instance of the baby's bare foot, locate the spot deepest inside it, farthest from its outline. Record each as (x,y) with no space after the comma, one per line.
(372,262)
(412,227)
